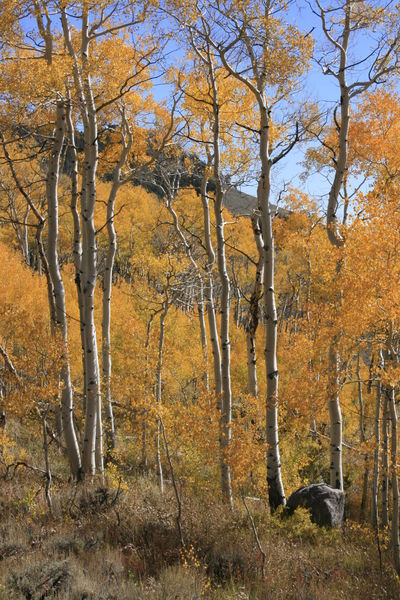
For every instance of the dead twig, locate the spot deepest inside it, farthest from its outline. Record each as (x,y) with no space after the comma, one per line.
(257,539)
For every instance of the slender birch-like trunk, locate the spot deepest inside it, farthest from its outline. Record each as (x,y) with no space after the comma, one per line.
(77,240)
(226,403)
(144,461)
(163,316)
(362,441)
(203,331)
(257,88)
(335,419)
(385,462)
(107,289)
(375,472)
(209,291)
(225,431)
(394,480)
(252,321)
(47,468)
(59,292)
(274,477)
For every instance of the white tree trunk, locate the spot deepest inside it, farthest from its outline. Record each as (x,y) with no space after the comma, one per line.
(77,239)
(107,289)
(362,441)
(335,419)
(252,321)
(395,482)
(159,390)
(225,431)
(209,292)
(275,485)
(385,463)
(203,331)
(375,473)
(226,404)
(59,292)
(92,442)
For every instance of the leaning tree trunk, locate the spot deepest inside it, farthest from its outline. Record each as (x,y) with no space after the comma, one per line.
(59,292)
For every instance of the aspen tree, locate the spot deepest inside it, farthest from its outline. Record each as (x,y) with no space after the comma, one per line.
(243,37)
(58,289)
(224,400)
(353,17)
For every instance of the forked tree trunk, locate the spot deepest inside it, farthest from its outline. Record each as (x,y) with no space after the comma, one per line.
(59,292)
(92,455)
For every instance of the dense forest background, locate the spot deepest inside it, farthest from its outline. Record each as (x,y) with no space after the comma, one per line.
(199,298)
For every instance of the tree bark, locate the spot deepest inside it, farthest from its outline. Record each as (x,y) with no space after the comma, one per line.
(209,291)
(394,480)
(275,485)
(362,441)
(385,463)
(375,472)
(59,292)
(159,390)
(92,455)
(107,289)
(252,320)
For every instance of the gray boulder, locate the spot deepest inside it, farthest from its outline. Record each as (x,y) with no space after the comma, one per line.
(325,503)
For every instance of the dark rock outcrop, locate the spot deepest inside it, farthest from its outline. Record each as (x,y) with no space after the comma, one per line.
(326,504)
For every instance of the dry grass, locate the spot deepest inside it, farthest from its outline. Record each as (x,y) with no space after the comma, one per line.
(100,546)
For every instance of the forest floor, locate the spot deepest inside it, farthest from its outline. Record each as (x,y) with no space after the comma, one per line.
(122,544)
